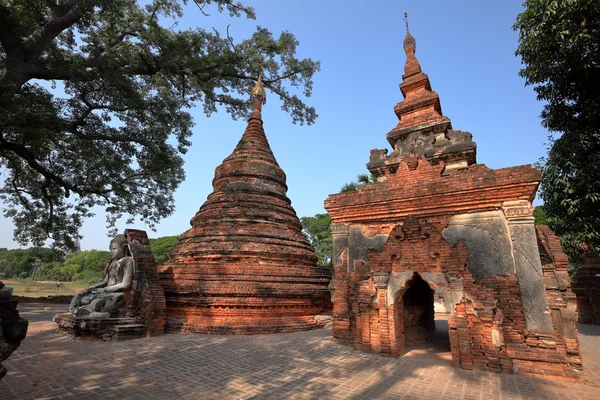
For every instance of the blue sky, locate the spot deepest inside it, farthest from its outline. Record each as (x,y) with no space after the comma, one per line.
(466,47)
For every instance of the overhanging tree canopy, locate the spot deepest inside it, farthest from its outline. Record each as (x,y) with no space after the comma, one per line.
(559,44)
(115,136)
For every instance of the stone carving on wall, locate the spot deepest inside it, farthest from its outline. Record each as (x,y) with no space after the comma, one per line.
(339,233)
(487,239)
(528,265)
(359,244)
(105,299)
(433,143)
(531,277)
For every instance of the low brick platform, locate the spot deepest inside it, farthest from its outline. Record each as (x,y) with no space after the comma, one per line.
(111,328)
(304,365)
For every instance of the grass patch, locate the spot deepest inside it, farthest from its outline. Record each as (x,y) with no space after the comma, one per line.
(29,288)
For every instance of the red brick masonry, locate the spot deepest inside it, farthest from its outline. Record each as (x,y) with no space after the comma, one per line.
(245,267)
(435,221)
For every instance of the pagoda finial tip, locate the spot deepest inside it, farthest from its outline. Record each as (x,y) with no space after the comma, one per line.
(410,44)
(258,95)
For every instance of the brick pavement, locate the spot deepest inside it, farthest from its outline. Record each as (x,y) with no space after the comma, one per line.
(304,365)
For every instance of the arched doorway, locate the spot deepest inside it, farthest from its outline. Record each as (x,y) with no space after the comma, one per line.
(416,324)
(418,310)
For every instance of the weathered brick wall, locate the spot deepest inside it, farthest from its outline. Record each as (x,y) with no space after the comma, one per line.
(487,328)
(431,191)
(147,299)
(245,267)
(586,285)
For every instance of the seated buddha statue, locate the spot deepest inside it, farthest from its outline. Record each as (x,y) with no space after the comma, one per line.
(104,299)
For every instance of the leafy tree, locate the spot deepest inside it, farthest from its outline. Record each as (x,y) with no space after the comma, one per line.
(318,231)
(94,100)
(162,246)
(349,187)
(539,213)
(559,44)
(87,266)
(25,263)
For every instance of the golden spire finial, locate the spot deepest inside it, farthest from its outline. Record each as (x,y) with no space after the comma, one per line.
(258,95)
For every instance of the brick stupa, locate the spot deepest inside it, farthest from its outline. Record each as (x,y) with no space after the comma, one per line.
(245,267)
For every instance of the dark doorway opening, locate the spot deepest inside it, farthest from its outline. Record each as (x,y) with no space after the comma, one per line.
(419,313)
(423,327)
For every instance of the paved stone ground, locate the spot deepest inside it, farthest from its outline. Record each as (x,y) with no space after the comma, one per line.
(302,365)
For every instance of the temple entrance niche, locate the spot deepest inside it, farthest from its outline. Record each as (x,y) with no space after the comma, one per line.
(418,313)
(416,323)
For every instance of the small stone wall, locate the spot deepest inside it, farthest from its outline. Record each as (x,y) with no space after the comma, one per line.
(13,328)
(45,299)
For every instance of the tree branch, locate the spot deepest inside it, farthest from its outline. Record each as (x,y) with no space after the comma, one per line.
(18,192)
(30,158)
(9,40)
(50,203)
(36,43)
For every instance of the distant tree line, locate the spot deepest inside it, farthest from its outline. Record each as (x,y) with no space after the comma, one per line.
(46,264)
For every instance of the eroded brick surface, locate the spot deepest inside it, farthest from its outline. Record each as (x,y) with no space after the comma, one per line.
(435,215)
(245,266)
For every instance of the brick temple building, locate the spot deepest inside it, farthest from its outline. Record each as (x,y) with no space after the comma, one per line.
(439,226)
(245,266)
(586,286)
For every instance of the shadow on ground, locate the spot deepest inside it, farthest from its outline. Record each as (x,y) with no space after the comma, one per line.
(298,365)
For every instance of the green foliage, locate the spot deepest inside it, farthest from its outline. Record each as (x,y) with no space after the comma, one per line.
(349,187)
(318,231)
(113,131)
(571,191)
(559,44)
(85,266)
(42,263)
(361,179)
(26,263)
(539,213)
(162,246)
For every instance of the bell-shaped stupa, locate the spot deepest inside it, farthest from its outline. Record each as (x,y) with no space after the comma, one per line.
(245,266)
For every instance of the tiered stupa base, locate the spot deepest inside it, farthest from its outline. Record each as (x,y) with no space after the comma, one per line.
(243,316)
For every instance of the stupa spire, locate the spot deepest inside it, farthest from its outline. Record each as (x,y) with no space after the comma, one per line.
(245,266)
(412,65)
(258,95)
(422,128)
